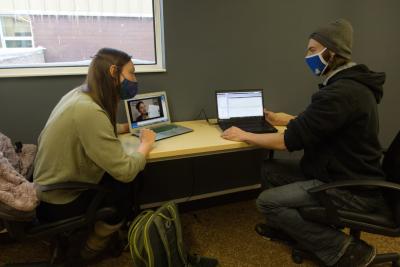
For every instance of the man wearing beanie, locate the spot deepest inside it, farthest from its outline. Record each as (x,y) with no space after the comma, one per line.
(338,132)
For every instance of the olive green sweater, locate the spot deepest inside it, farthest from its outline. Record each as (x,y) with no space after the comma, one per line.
(78,144)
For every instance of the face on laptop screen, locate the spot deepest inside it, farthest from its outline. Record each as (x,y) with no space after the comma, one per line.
(239,104)
(147,111)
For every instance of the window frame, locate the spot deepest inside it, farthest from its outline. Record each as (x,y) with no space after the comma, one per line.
(5,38)
(159,49)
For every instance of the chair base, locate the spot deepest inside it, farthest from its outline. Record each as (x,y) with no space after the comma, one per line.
(59,248)
(5,238)
(394,258)
(298,255)
(33,264)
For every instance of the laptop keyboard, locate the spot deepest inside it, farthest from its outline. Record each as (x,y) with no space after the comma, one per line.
(250,126)
(164,128)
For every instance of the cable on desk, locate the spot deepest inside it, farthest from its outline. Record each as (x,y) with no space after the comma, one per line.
(203,112)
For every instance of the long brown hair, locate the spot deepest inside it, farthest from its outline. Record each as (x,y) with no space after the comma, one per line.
(101,85)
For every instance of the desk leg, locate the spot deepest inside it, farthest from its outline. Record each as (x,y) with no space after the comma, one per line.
(137,186)
(271,154)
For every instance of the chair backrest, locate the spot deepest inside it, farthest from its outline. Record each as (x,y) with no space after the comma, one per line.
(16,192)
(391,161)
(391,167)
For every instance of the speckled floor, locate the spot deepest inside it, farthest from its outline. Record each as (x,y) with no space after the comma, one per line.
(224,232)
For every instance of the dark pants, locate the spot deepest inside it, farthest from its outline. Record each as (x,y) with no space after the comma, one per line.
(121,198)
(286,191)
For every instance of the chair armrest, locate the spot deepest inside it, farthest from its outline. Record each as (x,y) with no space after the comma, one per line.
(351,183)
(320,192)
(94,205)
(71,186)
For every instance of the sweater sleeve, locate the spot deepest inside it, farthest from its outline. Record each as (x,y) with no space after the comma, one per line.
(324,117)
(97,137)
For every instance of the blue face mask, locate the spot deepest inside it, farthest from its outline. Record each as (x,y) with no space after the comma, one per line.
(317,63)
(129,89)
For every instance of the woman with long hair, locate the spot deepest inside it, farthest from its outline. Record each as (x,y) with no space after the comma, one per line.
(79,144)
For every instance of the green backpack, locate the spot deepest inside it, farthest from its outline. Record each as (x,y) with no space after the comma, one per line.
(155,240)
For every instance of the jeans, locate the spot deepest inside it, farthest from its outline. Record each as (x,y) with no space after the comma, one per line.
(286,191)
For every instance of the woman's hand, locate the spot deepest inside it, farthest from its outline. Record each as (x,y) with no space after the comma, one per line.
(235,134)
(122,128)
(147,139)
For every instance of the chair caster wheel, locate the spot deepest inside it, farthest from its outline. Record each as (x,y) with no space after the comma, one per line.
(297,257)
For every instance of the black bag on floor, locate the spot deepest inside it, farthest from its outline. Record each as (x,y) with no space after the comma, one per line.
(155,240)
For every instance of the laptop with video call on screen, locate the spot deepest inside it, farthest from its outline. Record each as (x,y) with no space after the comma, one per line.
(243,109)
(151,111)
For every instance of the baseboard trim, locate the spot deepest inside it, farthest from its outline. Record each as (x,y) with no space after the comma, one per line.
(202,196)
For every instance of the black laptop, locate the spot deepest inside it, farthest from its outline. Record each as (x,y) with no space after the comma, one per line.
(243,109)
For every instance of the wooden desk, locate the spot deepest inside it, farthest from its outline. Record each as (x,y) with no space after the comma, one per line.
(196,165)
(204,140)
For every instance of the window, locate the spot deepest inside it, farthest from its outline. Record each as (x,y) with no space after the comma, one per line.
(16,32)
(59,37)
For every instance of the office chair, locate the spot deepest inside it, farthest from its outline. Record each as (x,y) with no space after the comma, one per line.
(24,225)
(387,225)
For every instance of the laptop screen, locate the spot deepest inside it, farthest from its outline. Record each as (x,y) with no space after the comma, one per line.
(147,111)
(238,104)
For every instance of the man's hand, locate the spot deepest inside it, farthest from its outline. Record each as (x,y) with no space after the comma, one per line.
(235,134)
(273,141)
(147,138)
(277,119)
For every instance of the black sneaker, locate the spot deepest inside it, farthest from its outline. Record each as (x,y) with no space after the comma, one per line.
(274,234)
(358,254)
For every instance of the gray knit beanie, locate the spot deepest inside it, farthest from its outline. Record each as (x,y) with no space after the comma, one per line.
(336,36)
